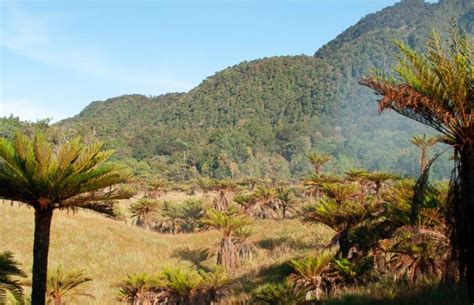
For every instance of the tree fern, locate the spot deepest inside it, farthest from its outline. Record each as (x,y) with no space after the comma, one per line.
(48,177)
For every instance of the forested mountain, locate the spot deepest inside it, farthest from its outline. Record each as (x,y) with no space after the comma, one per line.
(261,118)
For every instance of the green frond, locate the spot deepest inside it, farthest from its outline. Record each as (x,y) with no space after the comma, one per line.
(10,287)
(339,215)
(340,191)
(434,88)
(228,221)
(65,286)
(216,279)
(34,172)
(286,293)
(180,281)
(311,267)
(424,141)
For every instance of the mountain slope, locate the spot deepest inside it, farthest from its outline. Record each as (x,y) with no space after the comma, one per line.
(263,116)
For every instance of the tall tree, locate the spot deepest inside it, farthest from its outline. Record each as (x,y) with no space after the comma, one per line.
(436,88)
(424,143)
(46,178)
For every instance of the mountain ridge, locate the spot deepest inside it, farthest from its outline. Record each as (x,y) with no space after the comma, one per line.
(279,108)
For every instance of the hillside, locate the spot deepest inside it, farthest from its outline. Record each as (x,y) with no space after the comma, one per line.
(108,250)
(265,115)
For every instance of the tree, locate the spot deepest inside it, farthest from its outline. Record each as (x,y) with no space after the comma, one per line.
(181,284)
(224,188)
(287,199)
(138,289)
(436,88)
(46,178)
(308,273)
(143,210)
(8,285)
(65,286)
(424,143)
(318,160)
(379,178)
(176,286)
(266,203)
(228,222)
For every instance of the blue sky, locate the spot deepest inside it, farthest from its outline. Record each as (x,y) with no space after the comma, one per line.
(58,56)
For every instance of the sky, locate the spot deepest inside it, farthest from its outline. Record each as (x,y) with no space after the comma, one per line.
(56,57)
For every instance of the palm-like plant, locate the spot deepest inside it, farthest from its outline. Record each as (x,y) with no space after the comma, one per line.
(65,286)
(379,178)
(214,284)
(143,212)
(180,217)
(341,191)
(176,286)
(356,174)
(139,289)
(314,183)
(308,273)
(223,188)
(286,293)
(265,203)
(424,143)
(171,218)
(44,177)
(181,284)
(192,212)
(436,88)
(245,202)
(8,285)
(221,201)
(415,253)
(341,217)
(287,200)
(244,247)
(228,222)
(318,160)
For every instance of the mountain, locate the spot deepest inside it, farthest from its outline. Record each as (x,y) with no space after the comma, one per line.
(260,118)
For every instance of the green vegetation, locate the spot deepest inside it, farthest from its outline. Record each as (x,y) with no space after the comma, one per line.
(176,286)
(68,176)
(269,183)
(63,287)
(10,288)
(435,88)
(261,118)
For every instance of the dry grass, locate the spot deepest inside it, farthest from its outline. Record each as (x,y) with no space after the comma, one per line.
(107,249)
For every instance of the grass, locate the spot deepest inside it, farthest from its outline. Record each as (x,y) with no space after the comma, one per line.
(108,250)
(385,294)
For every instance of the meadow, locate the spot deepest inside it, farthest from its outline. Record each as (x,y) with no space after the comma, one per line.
(108,249)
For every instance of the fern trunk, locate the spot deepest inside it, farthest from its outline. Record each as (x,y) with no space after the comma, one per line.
(423,160)
(465,215)
(227,255)
(43,219)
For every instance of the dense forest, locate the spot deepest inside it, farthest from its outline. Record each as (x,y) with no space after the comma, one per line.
(261,118)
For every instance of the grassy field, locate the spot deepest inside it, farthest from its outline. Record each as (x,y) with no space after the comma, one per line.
(108,250)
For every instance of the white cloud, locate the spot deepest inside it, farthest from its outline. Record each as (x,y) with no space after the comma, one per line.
(29,110)
(31,36)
